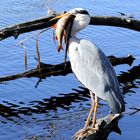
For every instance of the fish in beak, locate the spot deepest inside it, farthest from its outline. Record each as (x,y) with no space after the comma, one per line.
(63,27)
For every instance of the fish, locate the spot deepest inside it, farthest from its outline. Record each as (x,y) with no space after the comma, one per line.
(61,29)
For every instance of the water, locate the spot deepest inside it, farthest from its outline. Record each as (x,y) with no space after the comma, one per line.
(57,108)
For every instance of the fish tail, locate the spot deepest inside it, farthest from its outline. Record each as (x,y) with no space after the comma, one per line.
(59,47)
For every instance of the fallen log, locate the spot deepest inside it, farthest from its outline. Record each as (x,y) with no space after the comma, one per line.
(47,70)
(46,22)
(103,128)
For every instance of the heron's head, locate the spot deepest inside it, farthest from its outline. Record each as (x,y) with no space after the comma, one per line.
(82,19)
(70,23)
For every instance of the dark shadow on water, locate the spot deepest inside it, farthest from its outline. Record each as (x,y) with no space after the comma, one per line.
(64,101)
(130,76)
(128,79)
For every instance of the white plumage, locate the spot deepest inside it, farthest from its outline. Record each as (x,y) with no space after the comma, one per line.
(95,72)
(91,67)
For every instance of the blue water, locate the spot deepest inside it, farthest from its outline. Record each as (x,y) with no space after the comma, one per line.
(27,111)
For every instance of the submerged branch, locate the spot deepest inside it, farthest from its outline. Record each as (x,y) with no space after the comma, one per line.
(46,22)
(60,69)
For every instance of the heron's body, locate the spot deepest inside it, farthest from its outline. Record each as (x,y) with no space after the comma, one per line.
(95,72)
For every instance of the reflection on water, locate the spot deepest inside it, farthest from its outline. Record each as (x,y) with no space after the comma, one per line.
(64,101)
(130,79)
(57,108)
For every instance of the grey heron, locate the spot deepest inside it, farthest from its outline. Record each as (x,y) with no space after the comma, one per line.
(89,64)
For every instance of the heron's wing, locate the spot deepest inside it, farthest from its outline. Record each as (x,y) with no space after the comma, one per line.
(93,69)
(96,73)
(101,77)
(112,90)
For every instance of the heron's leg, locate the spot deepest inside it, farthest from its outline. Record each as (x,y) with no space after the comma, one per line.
(92,98)
(91,110)
(95,111)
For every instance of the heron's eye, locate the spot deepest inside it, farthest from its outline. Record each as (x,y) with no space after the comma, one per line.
(82,12)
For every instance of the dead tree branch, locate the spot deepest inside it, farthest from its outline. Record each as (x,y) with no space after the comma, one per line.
(59,69)
(45,22)
(116,21)
(21,28)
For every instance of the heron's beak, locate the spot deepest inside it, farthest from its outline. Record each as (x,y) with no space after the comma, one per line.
(57,18)
(63,28)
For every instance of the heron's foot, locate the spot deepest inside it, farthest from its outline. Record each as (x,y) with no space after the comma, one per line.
(84,133)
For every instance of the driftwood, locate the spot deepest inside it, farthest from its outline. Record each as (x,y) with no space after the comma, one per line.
(60,69)
(45,22)
(103,128)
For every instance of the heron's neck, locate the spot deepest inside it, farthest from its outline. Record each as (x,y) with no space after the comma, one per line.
(73,36)
(73,39)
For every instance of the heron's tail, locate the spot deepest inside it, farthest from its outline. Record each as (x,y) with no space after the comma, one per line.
(116,102)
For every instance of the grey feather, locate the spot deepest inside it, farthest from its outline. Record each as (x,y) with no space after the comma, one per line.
(93,69)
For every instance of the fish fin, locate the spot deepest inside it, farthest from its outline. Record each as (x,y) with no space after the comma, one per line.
(54,26)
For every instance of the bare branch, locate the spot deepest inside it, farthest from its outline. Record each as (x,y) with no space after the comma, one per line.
(59,69)
(45,22)
(21,28)
(116,21)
